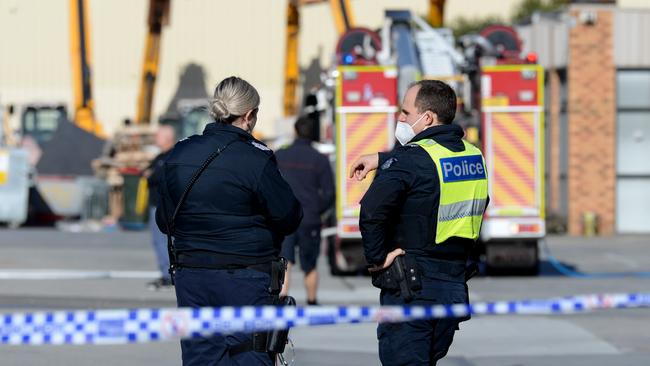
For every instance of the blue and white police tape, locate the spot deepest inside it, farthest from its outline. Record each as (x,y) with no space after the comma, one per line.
(151,325)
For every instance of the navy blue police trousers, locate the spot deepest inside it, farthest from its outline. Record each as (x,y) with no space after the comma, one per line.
(421,342)
(221,287)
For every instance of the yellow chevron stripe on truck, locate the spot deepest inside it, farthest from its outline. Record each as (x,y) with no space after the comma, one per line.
(367,134)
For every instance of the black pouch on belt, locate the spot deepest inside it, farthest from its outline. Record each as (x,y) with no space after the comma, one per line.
(278,269)
(403,275)
(272,341)
(412,274)
(277,339)
(385,279)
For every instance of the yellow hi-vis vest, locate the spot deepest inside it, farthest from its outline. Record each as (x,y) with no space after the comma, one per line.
(463,190)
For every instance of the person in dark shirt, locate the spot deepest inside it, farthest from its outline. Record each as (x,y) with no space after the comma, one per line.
(309,174)
(230,227)
(164,139)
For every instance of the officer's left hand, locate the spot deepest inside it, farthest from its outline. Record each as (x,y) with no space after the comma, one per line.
(364,165)
(389,260)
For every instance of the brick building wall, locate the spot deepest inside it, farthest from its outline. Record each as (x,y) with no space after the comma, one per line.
(592,119)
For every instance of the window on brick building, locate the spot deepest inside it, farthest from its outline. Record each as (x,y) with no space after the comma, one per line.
(632,151)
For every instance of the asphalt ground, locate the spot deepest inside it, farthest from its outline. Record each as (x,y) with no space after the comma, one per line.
(111,270)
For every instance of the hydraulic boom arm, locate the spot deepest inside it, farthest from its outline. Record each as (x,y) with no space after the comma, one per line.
(158,17)
(80,52)
(343,19)
(436,12)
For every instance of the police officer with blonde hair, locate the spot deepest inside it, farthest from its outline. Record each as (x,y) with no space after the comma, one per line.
(228,209)
(419,219)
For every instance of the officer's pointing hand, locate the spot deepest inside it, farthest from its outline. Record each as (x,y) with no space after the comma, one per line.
(364,165)
(389,260)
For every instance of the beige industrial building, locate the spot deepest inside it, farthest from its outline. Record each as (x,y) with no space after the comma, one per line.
(205,41)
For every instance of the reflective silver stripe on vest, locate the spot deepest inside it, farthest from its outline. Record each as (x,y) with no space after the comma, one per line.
(458,210)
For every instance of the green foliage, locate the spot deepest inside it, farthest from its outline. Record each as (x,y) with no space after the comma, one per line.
(462,26)
(526,8)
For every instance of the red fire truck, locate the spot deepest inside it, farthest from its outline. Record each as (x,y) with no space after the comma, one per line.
(508,94)
(512,124)
(512,134)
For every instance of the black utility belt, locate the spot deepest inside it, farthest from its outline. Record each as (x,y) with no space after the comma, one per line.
(210,260)
(275,268)
(264,267)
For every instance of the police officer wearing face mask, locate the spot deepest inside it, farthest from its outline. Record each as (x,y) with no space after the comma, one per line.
(425,207)
(230,226)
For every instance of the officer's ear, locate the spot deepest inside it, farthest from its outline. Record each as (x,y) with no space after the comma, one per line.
(250,115)
(431,119)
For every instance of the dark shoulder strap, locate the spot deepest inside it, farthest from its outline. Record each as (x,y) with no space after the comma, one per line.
(190,184)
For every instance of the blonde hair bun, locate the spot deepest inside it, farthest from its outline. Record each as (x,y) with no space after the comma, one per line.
(233,97)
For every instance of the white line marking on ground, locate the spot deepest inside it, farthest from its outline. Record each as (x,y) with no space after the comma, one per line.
(622,259)
(61,274)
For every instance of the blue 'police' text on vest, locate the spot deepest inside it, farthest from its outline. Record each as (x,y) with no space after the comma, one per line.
(462,168)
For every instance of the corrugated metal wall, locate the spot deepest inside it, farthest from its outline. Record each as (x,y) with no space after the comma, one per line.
(632,38)
(548,37)
(219,38)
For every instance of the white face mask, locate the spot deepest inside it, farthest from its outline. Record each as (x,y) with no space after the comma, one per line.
(404,132)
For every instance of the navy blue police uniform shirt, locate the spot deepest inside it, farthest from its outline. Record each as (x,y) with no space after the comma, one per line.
(400,209)
(240,206)
(309,174)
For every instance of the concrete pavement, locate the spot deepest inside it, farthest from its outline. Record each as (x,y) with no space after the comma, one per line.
(613,337)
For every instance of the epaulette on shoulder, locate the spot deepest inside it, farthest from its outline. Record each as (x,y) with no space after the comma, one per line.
(388,163)
(260,146)
(182,141)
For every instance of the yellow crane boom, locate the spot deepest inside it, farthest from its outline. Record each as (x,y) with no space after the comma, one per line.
(80,52)
(343,19)
(291,68)
(436,12)
(158,17)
